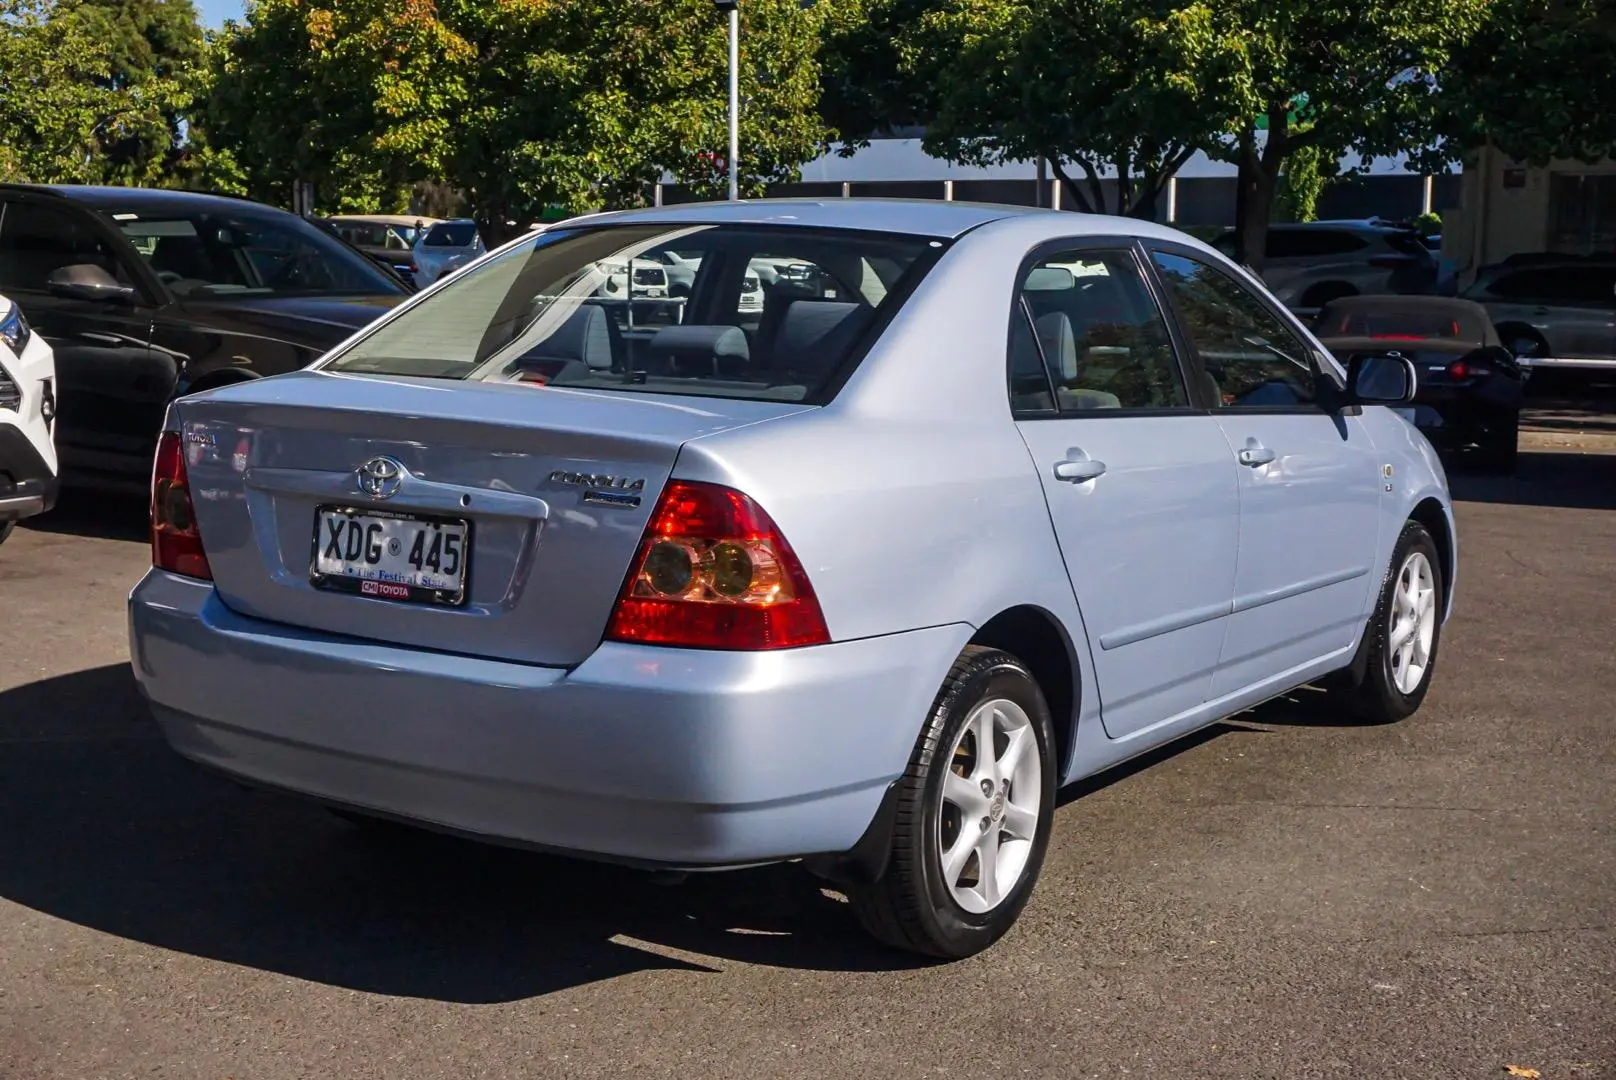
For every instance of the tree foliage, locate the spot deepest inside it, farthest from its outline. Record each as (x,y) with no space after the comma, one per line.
(1136,85)
(1538,79)
(520,104)
(62,103)
(1360,75)
(155,49)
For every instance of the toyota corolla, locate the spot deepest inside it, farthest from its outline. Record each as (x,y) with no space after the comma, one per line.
(983,502)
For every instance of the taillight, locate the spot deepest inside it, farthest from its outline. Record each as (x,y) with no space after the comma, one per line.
(176,543)
(1458,370)
(713,572)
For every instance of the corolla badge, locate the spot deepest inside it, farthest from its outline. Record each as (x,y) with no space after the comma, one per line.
(380,477)
(598,480)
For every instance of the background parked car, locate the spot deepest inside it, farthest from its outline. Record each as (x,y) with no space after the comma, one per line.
(1552,310)
(27,415)
(1308,265)
(390,239)
(1469,388)
(145,295)
(448,242)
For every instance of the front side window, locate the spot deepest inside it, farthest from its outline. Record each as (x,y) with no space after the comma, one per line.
(1251,358)
(772,313)
(36,241)
(205,255)
(1100,335)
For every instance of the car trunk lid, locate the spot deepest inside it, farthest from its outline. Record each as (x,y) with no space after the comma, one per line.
(553,487)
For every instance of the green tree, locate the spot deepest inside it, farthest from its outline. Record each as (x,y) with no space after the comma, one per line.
(520,104)
(58,109)
(156,52)
(1137,85)
(1331,76)
(1538,79)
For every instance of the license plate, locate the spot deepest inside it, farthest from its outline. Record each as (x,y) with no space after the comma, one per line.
(405,557)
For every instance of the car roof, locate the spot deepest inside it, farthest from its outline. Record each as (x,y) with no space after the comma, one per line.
(146,200)
(387,219)
(915,217)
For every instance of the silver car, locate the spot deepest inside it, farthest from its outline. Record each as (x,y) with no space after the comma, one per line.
(1307,265)
(445,247)
(993,500)
(1553,312)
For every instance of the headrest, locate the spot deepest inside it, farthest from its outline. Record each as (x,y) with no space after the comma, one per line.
(814,334)
(698,350)
(1059,342)
(584,335)
(1049,279)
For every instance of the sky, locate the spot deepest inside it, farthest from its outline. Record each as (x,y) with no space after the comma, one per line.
(215,12)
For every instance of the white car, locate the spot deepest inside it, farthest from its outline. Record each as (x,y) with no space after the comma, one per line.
(28,467)
(445,246)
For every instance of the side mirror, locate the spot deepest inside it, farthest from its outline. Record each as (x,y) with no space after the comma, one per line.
(87,281)
(1381,379)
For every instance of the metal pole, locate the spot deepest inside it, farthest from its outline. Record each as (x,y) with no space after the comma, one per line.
(734,100)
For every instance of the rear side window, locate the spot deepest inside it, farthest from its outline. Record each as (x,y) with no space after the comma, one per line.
(1556,285)
(771,313)
(1091,320)
(1311,243)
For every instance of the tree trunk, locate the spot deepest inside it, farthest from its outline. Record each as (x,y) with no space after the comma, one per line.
(1068,186)
(1256,185)
(492,228)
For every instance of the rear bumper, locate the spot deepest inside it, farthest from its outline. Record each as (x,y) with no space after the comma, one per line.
(643,755)
(28,485)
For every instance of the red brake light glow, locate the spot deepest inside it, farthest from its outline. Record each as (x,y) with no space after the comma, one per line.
(1458,370)
(176,543)
(713,572)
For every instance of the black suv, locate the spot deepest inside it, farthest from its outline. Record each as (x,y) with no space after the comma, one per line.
(149,294)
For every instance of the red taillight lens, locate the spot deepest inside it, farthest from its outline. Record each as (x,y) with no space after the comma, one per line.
(176,543)
(1458,370)
(713,572)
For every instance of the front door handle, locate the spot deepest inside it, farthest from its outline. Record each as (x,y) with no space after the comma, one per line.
(1078,470)
(1253,456)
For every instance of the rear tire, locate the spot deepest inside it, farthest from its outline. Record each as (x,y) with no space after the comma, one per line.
(1402,637)
(971,828)
(6,529)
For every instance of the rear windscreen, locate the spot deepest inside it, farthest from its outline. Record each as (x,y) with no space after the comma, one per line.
(1390,323)
(455,234)
(769,313)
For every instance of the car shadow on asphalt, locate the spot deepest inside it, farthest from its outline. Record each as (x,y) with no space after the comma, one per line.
(102,825)
(96,515)
(1542,478)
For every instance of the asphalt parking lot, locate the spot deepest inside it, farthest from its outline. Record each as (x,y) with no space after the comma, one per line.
(1282,897)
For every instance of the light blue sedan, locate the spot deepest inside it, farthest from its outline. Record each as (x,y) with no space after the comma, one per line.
(977,502)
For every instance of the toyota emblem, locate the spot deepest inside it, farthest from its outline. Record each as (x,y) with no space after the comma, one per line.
(380,477)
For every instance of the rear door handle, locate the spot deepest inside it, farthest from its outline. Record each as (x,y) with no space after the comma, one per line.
(1078,470)
(1253,456)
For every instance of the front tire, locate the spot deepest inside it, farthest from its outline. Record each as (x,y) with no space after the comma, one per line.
(6,529)
(973,816)
(1404,634)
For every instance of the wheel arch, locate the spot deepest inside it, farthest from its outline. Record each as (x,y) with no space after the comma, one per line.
(1036,637)
(1430,513)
